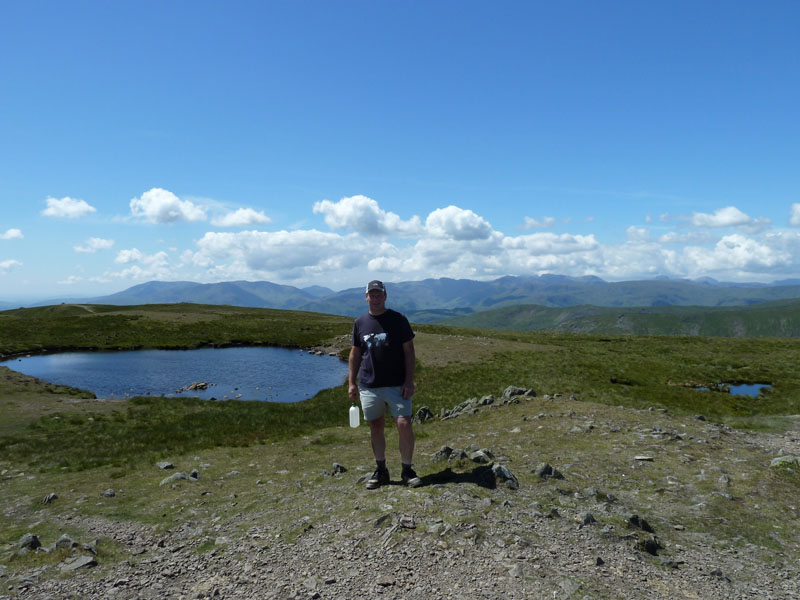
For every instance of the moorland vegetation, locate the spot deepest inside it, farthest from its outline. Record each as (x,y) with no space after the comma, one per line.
(600,400)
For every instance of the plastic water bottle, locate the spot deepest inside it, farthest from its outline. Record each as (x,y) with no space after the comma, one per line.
(355,416)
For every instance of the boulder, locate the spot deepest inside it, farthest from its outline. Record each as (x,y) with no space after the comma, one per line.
(28,543)
(546,471)
(513,391)
(503,473)
(65,542)
(423,414)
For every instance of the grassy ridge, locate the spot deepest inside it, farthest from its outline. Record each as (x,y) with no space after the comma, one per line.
(163,326)
(780,318)
(453,365)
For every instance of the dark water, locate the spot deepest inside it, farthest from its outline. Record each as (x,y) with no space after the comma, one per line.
(274,374)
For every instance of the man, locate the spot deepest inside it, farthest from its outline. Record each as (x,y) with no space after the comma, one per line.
(382,375)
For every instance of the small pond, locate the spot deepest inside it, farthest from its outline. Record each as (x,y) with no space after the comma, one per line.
(744,389)
(248,373)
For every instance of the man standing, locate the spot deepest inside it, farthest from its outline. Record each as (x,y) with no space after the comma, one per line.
(382,375)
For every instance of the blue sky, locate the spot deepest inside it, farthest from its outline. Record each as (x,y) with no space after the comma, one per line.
(328,143)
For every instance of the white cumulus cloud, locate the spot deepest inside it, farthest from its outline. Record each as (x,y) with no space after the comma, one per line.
(67,208)
(550,243)
(637,234)
(128,256)
(458,224)
(736,253)
(143,266)
(94,244)
(160,206)
(241,218)
(694,237)
(11,234)
(7,265)
(287,254)
(730,216)
(363,215)
(794,214)
(531,223)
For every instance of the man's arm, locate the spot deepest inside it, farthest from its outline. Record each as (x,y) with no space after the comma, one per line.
(355,364)
(410,359)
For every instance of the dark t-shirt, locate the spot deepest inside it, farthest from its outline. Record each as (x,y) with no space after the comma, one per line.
(381,338)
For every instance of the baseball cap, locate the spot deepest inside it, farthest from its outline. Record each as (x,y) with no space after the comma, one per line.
(375,285)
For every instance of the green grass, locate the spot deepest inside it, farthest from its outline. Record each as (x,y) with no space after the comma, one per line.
(453,365)
(779,318)
(95,327)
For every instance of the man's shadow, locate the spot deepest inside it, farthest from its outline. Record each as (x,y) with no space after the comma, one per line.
(482,476)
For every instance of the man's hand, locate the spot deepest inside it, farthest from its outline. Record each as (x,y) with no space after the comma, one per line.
(353,392)
(408,390)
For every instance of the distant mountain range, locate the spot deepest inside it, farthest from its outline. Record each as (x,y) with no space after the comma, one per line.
(432,300)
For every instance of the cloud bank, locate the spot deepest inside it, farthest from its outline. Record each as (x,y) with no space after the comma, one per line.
(364,240)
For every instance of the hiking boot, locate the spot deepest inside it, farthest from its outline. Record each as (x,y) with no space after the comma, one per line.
(410,478)
(379,477)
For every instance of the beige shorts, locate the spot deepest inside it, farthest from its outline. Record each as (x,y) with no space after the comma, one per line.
(375,400)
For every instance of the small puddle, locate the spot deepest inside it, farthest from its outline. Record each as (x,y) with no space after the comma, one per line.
(743,389)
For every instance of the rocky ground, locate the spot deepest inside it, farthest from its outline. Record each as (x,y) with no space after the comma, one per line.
(637,504)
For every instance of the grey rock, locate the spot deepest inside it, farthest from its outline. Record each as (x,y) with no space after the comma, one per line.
(194,475)
(80,562)
(651,545)
(173,478)
(49,498)
(513,391)
(65,542)
(487,400)
(547,471)
(483,456)
(109,493)
(28,542)
(586,518)
(442,454)
(503,473)
(165,465)
(785,461)
(423,414)
(337,468)
(639,523)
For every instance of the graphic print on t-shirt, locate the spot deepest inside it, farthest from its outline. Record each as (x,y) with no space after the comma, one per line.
(375,340)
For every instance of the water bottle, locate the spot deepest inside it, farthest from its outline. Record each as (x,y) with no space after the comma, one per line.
(354,415)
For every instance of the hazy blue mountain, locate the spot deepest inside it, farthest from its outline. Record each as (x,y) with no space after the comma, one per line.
(259,294)
(318,291)
(430,300)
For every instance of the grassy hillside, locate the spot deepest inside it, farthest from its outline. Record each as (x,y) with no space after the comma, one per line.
(615,414)
(97,327)
(453,365)
(780,318)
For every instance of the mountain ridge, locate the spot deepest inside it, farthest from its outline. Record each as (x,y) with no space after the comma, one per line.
(431,300)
